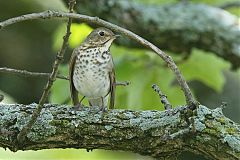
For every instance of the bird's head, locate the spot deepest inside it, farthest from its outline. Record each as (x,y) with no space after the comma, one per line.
(100,37)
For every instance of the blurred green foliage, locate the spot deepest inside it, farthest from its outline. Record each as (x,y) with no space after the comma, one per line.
(79,32)
(142,68)
(69,154)
(211,74)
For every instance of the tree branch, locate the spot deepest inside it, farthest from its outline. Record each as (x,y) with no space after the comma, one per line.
(52,78)
(163,97)
(95,20)
(175,27)
(29,74)
(44,75)
(152,133)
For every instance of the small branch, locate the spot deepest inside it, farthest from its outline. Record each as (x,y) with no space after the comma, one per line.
(124,83)
(44,75)
(230,5)
(29,74)
(52,78)
(95,20)
(163,97)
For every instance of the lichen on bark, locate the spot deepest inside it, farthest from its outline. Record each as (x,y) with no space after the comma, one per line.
(158,134)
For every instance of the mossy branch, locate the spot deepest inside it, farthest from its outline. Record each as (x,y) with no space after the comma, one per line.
(154,133)
(176,27)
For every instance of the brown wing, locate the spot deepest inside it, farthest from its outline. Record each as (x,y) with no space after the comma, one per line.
(112,87)
(74,92)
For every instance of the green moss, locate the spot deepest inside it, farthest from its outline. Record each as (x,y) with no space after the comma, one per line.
(222,120)
(63,123)
(231,130)
(209,124)
(210,131)
(123,116)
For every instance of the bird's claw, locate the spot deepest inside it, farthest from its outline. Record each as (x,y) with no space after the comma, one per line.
(104,109)
(78,107)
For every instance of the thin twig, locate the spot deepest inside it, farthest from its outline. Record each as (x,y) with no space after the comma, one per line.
(28,73)
(124,83)
(163,97)
(52,78)
(44,75)
(95,20)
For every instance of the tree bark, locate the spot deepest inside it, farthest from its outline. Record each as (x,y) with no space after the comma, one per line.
(154,133)
(177,27)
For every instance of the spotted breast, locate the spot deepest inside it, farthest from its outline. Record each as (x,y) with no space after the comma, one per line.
(91,74)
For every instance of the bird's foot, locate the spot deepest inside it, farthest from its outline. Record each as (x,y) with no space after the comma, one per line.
(104,109)
(78,107)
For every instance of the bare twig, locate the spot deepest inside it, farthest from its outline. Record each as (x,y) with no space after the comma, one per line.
(29,74)
(52,78)
(224,105)
(50,14)
(45,75)
(230,5)
(124,83)
(163,97)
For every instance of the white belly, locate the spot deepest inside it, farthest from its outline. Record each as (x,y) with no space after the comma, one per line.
(91,85)
(91,79)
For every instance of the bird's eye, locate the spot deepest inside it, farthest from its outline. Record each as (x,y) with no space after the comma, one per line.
(101,33)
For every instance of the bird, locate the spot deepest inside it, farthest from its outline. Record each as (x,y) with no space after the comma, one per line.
(91,70)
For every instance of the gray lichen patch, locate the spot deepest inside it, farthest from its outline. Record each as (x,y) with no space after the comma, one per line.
(172,120)
(199,125)
(42,125)
(203,111)
(8,114)
(135,122)
(108,127)
(217,112)
(233,142)
(8,118)
(139,131)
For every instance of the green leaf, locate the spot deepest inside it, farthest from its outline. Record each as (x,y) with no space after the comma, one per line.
(206,68)
(78,33)
(143,68)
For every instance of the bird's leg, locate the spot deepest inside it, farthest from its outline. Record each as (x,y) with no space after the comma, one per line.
(79,105)
(103,108)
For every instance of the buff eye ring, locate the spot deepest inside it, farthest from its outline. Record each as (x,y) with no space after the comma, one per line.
(101,33)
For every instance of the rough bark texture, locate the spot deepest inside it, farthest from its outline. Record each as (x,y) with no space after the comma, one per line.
(176,27)
(154,133)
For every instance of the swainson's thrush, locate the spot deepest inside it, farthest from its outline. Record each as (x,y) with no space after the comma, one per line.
(92,70)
